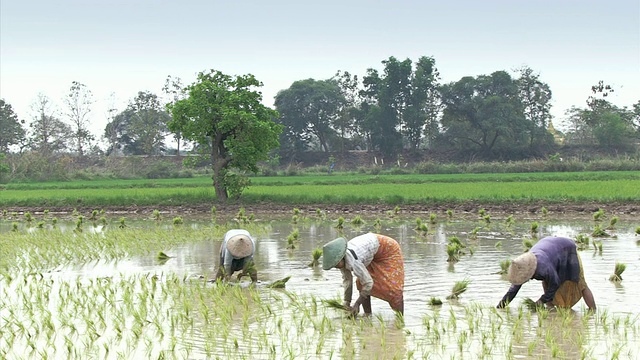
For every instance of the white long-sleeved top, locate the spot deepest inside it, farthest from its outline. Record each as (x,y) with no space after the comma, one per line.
(227,257)
(365,247)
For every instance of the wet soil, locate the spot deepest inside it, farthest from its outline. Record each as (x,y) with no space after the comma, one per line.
(369,210)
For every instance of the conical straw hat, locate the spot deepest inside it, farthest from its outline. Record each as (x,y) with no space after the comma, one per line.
(240,246)
(333,252)
(522,268)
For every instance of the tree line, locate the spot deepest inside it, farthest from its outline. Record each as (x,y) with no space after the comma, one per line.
(404,107)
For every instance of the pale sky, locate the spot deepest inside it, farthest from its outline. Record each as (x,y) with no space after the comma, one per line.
(126,46)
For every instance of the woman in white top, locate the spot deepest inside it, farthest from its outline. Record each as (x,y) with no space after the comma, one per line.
(236,253)
(377,262)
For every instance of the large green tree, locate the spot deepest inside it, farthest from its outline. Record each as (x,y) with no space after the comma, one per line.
(141,128)
(310,110)
(12,130)
(536,96)
(483,116)
(225,114)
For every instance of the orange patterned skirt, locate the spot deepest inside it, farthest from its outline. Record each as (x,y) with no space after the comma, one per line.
(387,271)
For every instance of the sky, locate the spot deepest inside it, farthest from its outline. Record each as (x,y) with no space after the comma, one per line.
(120,47)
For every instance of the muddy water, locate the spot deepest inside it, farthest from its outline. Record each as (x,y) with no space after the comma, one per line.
(429,274)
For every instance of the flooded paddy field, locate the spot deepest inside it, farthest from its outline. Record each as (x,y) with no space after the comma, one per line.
(92,290)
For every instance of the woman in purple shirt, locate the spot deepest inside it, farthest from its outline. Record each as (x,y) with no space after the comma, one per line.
(555,261)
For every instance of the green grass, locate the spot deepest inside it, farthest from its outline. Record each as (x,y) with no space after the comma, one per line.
(606,186)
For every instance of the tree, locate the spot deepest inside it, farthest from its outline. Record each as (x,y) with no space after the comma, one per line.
(12,131)
(175,90)
(141,128)
(225,114)
(424,106)
(536,101)
(349,124)
(79,101)
(484,116)
(48,133)
(390,93)
(602,123)
(310,108)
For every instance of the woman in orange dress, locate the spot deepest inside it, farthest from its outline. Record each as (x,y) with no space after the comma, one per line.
(377,262)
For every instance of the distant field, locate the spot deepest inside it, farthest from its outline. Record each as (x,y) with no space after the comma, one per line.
(338,189)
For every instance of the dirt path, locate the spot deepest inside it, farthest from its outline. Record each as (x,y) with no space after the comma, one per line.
(372,210)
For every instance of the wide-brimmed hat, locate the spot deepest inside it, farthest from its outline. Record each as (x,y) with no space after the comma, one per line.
(333,252)
(522,268)
(240,246)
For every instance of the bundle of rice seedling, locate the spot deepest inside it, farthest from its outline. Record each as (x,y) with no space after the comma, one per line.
(617,272)
(458,288)
(279,284)
(530,304)
(336,304)
(434,301)
(316,257)
(504,266)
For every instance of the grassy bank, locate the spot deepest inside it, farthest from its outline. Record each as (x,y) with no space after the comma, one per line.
(577,187)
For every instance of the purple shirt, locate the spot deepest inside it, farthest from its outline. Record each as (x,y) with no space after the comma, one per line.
(557,262)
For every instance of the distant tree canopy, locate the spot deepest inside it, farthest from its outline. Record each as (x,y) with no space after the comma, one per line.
(225,115)
(141,128)
(12,130)
(398,108)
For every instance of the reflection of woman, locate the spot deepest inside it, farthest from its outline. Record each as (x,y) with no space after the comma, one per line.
(555,261)
(236,253)
(377,262)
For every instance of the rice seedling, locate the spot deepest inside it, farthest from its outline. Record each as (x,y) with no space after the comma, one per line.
(279,284)
(14,226)
(377,224)
(453,252)
(509,220)
(482,212)
(617,272)
(40,224)
(504,266)
(598,231)
(316,254)
(396,210)
(458,288)
(487,219)
(582,241)
(292,239)
(637,232)
(530,304)
(156,215)
(527,244)
(498,245)
(474,232)
(178,220)
(336,304)
(612,223)
(294,219)
(449,214)
(597,246)
(122,223)
(357,221)
(534,227)
(544,211)
(434,301)
(418,224)
(433,218)
(162,256)
(598,215)
(340,224)
(94,215)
